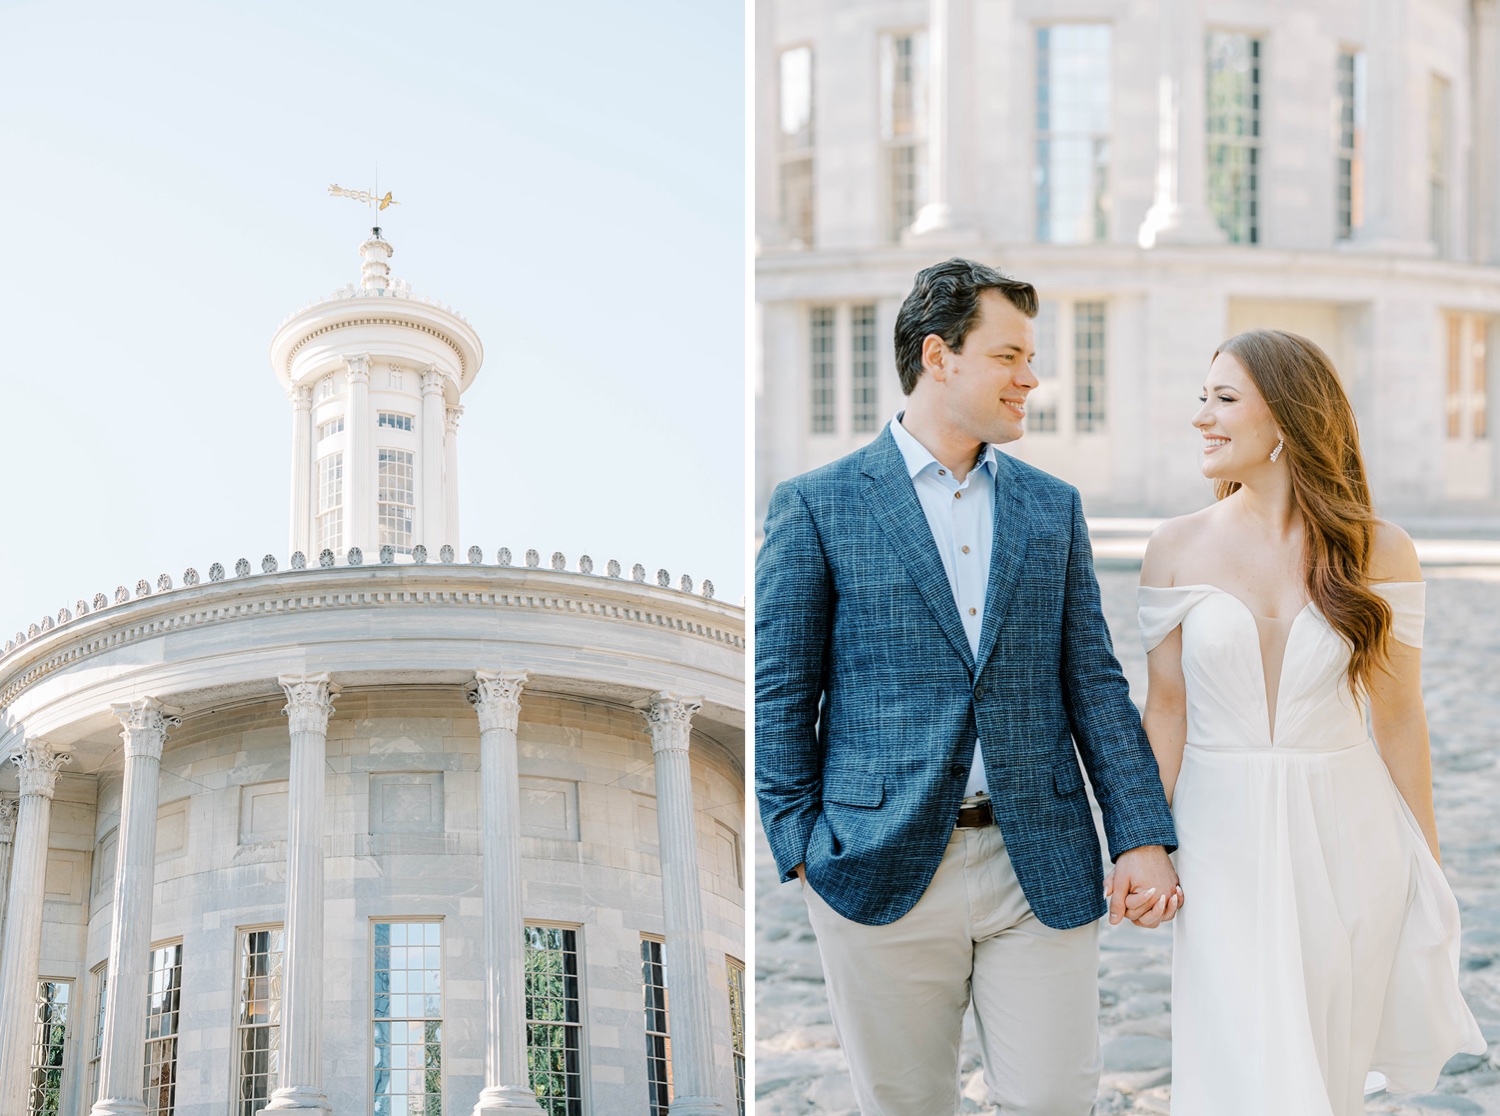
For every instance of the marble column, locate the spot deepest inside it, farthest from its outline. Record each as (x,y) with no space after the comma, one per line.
(359,461)
(767,128)
(20,952)
(691,994)
(450,475)
(143,728)
(309,703)
(1486,102)
(948,212)
(1395,170)
(496,697)
(1179,214)
(432,532)
(302,482)
(8,807)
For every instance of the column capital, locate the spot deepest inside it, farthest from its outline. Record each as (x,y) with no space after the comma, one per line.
(144,724)
(496,697)
(8,809)
(358,366)
(670,717)
(301,396)
(37,763)
(453,415)
(309,700)
(432,380)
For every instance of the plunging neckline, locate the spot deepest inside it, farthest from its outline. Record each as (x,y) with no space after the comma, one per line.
(1270,705)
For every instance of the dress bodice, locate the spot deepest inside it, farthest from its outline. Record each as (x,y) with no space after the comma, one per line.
(1225,678)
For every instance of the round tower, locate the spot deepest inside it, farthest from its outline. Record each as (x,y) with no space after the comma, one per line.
(375,374)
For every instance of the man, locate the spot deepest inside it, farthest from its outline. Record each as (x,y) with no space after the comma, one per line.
(929,649)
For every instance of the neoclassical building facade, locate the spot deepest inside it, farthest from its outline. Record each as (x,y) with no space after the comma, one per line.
(1168,173)
(385,829)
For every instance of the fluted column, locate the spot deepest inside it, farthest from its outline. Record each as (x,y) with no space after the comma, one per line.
(21,949)
(690,1019)
(301,535)
(143,728)
(359,460)
(948,212)
(309,703)
(767,132)
(1179,214)
(8,808)
(496,697)
(432,532)
(450,474)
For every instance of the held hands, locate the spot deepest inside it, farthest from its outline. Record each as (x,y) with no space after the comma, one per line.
(1143,888)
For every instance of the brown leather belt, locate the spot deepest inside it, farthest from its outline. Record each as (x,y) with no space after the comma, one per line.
(975,817)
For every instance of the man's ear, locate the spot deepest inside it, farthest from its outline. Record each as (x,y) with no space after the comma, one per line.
(935,353)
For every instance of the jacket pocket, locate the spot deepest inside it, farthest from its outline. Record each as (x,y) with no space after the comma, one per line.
(854,790)
(1066,778)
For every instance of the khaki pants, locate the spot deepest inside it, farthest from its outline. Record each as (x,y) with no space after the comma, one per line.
(898,993)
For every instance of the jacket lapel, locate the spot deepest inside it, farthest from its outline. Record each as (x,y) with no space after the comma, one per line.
(894,506)
(1008,555)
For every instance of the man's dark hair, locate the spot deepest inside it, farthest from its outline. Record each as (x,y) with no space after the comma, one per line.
(944,300)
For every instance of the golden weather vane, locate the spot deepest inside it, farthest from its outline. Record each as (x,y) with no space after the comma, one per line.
(369,197)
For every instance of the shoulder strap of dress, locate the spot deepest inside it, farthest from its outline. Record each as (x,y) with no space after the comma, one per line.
(1162,609)
(1408,601)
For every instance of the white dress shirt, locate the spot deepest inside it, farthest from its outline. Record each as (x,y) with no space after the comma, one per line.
(961,515)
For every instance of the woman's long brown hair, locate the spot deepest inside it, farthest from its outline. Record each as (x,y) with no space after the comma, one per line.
(1329,489)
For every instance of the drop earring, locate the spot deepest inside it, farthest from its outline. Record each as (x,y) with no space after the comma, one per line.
(1280,445)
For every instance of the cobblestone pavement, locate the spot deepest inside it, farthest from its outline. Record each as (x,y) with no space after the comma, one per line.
(800,1070)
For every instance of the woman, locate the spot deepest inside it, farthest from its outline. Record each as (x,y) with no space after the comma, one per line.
(1318,939)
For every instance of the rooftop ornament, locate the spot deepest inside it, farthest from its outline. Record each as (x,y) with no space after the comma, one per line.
(419,554)
(216,572)
(476,556)
(503,557)
(559,561)
(242,568)
(268,564)
(533,559)
(190,576)
(445,555)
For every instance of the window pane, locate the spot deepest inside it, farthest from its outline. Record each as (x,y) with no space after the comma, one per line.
(820,334)
(48,1046)
(396,510)
(1233,128)
(1073,122)
(903,126)
(1349,166)
(408,1053)
(163,1002)
(1088,367)
(658,1042)
(259,1022)
(862,369)
(554,1020)
(1041,404)
(737,1029)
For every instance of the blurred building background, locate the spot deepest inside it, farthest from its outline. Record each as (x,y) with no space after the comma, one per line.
(1168,173)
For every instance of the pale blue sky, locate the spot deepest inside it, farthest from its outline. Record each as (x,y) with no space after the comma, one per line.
(571,179)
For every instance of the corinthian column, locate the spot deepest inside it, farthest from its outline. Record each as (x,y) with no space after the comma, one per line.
(431,530)
(1180,214)
(693,1076)
(359,460)
(496,698)
(301,539)
(450,474)
(950,176)
(21,949)
(143,728)
(309,703)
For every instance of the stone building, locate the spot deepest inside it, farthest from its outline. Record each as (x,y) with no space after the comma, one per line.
(386,828)
(1168,173)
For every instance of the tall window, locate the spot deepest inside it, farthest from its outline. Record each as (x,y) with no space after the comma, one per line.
(397,500)
(48,1046)
(554,1020)
(820,332)
(330,501)
(101,990)
(658,1038)
(259,1021)
(1350,168)
(903,126)
(737,1028)
(863,366)
(163,1003)
(1233,128)
(1072,132)
(796,144)
(1437,163)
(1467,397)
(1071,370)
(408,1018)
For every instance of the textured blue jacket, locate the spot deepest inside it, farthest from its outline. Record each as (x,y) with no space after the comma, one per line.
(868,700)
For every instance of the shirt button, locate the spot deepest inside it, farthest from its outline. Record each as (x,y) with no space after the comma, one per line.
(957,772)
(973,612)
(942,472)
(957,495)
(966,550)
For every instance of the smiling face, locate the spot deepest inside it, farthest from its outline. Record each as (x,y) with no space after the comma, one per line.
(987,383)
(1239,432)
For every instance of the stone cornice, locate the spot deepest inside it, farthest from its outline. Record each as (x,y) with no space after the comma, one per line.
(420,327)
(505,588)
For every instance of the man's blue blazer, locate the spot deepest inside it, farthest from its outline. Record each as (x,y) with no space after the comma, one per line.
(868,700)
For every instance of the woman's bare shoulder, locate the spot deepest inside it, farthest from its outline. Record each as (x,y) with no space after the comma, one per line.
(1393,556)
(1171,539)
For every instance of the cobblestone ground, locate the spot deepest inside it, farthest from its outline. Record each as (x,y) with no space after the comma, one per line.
(800,1069)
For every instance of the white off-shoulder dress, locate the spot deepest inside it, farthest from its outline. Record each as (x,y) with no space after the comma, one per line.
(1319,938)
